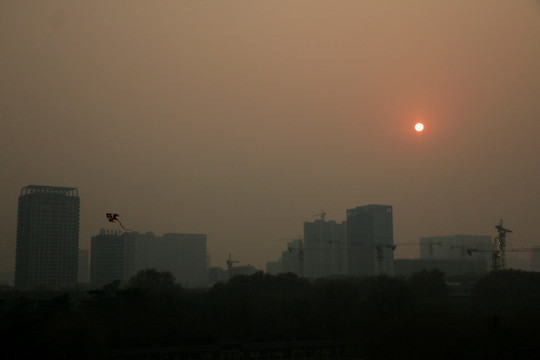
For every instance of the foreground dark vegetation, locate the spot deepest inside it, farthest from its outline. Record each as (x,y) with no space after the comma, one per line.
(384,317)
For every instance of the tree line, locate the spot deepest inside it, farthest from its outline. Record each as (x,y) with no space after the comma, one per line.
(384,317)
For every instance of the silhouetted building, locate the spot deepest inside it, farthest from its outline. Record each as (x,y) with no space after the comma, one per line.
(370,240)
(184,255)
(459,248)
(325,248)
(83,271)
(454,247)
(217,275)
(245,270)
(535,259)
(273,267)
(292,259)
(220,275)
(47,237)
(112,257)
(6,278)
(406,267)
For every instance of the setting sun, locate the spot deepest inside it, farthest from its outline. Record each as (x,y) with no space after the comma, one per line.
(419,127)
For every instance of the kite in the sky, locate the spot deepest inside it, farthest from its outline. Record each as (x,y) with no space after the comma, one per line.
(114,218)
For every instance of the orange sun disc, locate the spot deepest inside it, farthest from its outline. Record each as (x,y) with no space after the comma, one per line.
(419,127)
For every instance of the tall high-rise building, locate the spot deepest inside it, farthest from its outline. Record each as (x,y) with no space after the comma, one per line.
(112,256)
(47,237)
(370,240)
(325,248)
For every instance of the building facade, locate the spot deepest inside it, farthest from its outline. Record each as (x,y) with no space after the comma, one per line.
(47,237)
(184,255)
(535,259)
(454,247)
(407,267)
(370,240)
(273,267)
(83,272)
(111,257)
(325,248)
(292,260)
(461,249)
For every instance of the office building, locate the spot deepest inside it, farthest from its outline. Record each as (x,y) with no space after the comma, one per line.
(47,237)
(370,240)
(111,257)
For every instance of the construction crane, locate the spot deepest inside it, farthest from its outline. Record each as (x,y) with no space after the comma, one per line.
(321,226)
(495,259)
(461,252)
(300,250)
(501,242)
(230,263)
(496,263)
(379,248)
(429,245)
(322,214)
(523,249)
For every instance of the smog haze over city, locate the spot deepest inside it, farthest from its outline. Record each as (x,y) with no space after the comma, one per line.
(241,120)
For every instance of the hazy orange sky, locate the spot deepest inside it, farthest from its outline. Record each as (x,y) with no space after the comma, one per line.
(242,119)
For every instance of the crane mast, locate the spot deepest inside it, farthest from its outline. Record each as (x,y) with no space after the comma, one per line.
(301,258)
(230,263)
(501,243)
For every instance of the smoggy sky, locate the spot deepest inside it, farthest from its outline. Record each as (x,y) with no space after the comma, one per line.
(242,119)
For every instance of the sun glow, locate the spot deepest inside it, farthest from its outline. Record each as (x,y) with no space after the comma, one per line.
(419,127)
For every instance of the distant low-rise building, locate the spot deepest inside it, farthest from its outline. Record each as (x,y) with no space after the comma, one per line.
(217,275)
(406,267)
(273,267)
(292,259)
(184,255)
(535,259)
(244,270)
(111,257)
(459,248)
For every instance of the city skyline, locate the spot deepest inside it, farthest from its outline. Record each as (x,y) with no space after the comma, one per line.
(48,223)
(242,121)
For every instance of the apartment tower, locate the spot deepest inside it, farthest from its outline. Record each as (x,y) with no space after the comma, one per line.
(370,240)
(47,237)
